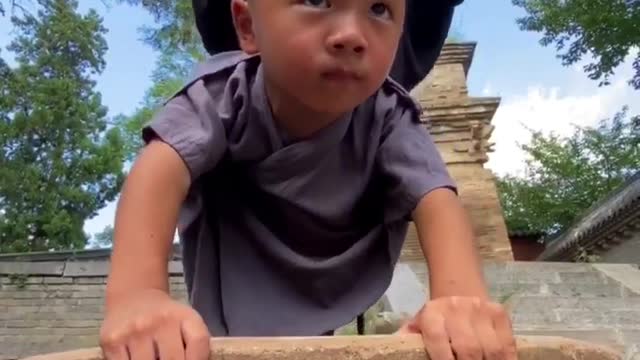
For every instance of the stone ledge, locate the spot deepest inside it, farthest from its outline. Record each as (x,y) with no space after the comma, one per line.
(68,269)
(365,348)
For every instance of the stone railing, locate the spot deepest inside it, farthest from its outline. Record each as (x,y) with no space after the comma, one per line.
(364,348)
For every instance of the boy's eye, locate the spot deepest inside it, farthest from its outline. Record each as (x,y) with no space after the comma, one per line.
(318,3)
(380,9)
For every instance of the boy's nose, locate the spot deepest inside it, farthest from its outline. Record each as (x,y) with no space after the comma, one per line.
(347,38)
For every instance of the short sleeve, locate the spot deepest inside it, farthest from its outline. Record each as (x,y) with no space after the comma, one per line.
(190,125)
(410,164)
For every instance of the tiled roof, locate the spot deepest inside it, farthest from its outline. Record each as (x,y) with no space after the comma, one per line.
(607,220)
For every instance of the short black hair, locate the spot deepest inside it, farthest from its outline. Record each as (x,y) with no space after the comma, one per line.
(427,26)
(215,25)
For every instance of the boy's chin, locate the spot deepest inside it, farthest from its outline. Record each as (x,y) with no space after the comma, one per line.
(337,104)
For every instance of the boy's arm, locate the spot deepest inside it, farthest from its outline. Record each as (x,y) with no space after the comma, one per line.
(447,241)
(145,222)
(459,320)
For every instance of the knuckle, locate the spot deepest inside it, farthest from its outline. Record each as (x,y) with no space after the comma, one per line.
(496,352)
(469,349)
(433,332)
(511,349)
(498,310)
(141,326)
(110,339)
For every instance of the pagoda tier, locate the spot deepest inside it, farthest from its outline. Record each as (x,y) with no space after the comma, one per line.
(461,127)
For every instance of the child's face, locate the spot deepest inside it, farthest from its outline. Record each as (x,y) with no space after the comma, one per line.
(329,55)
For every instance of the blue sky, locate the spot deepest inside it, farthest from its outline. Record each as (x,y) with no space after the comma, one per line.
(536,90)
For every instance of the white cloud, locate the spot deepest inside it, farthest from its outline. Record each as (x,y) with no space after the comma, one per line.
(550,109)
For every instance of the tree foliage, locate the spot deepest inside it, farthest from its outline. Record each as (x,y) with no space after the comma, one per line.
(607,30)
(566,175)
(175,37)
(103,239)
(59,163)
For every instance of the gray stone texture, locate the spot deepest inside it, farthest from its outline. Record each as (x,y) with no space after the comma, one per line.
(593,302)
(49,311)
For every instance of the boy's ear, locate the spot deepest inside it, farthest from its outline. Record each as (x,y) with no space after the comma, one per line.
(243,24)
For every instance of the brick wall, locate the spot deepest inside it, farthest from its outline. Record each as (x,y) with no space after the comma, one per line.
(55,306)
(592,302)
(58,306)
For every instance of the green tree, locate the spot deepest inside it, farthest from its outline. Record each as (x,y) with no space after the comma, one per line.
(175,37)
(607,30)
(103,239)
(59,163)
(566,175)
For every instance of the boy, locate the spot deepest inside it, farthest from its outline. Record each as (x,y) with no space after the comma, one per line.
(291,169)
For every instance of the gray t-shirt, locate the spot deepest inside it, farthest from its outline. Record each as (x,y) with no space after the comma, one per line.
(291,238)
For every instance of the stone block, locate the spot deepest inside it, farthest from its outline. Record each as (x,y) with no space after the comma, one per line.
(175,268)
(585,290)
(626,274)
(365,347)
(57,280)
(87,268)
(531,267)
(500,275)
(90,280)
(541,318)
(626,319)
(32,268)
(583,278)
(176,280)
(503,292)
(583,319)
(96,294)
(597,304)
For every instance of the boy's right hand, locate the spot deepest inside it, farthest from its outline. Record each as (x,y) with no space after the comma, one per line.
(150,325)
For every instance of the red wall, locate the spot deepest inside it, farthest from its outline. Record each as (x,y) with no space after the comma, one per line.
(525,248)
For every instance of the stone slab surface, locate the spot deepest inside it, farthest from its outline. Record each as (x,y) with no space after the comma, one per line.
(365,348)
(626,274)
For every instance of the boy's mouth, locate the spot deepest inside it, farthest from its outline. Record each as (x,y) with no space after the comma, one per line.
(341,75)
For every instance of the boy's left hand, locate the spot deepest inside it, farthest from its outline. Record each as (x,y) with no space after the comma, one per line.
(464,328)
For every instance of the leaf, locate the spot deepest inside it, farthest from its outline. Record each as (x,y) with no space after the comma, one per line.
(60,163)
(566,175)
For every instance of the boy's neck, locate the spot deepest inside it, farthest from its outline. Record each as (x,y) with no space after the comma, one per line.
(295,119)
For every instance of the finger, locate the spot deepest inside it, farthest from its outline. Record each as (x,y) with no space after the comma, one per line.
(113,346)
(117,352)
(196,339)
(435,337)
(504,331)
(169,343)
(488,339)
(463,338)
(141,348)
